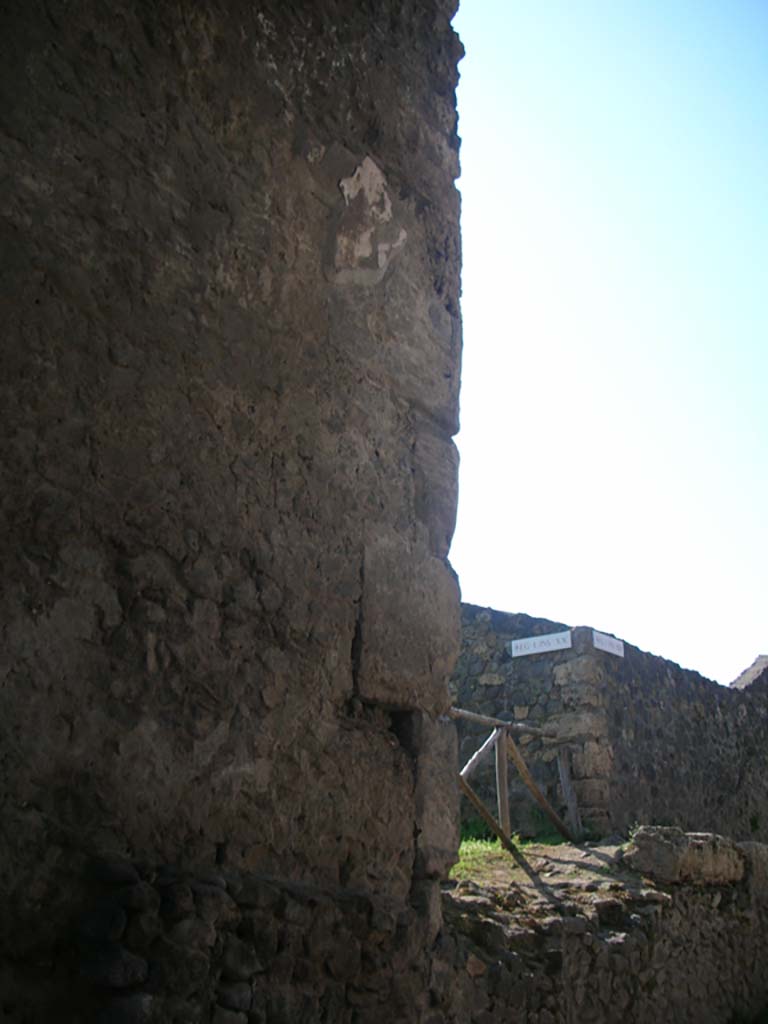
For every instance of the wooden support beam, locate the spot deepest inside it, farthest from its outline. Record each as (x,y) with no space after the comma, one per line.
(517,727)
(502,789)
(479,754)
(487,817)
(569,793)
(517,760)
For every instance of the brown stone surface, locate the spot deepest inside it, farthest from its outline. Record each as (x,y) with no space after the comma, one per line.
(231,364)
(671,855)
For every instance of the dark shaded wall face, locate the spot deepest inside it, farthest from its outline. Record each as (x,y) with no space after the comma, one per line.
(230,372)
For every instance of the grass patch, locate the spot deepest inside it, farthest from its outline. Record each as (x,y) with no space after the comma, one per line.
(481,859)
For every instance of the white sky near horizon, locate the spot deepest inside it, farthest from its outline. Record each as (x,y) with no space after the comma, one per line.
(615,305)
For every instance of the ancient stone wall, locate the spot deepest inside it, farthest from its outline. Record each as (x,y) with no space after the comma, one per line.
(608,953)
(230,947)
(553,689)
(686,751)
(230,377)
(237,948)
(650,742)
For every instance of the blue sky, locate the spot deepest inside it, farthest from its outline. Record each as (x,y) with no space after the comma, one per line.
(615,301)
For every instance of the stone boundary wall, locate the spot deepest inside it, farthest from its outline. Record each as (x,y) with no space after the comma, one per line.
(163,945)
(650,741)
(691,953)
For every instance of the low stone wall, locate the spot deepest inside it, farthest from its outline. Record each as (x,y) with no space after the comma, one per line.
(648,954)
(169,946)
(164,945)
(650,741)
(686,751)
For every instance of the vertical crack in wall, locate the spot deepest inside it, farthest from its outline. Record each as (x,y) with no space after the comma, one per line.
(356,649)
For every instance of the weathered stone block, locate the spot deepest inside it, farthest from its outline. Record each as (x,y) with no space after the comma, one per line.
(409,637)
(436,797)
(490,679)
(579,725)
(671,855)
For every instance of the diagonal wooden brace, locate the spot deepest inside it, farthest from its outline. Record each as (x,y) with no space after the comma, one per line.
(517,760)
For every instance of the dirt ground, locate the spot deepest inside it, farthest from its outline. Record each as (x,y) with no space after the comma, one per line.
(545,878)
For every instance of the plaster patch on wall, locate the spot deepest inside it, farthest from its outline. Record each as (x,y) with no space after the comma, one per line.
(369,180)
(366,234)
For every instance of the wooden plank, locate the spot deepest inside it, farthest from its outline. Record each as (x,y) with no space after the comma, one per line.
(479,754)
(569,793)
(502,789)
(487,817)
(517,760)
(516,727)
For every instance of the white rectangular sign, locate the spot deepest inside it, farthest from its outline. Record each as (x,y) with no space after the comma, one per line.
(603,642)
(540,644)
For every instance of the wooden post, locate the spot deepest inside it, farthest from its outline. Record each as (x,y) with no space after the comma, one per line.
(517,759)
(478,755)
(487,817)
(502,790)
(569,794)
